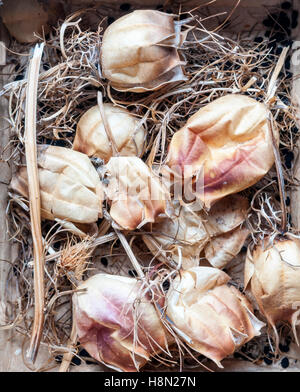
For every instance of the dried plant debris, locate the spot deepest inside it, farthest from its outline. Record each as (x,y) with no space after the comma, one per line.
(215,65)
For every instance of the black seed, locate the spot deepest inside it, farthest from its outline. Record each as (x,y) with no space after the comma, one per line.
(166,285)
(279,36)
(58,358)
(19,77)
(104,261)
(132,273)
(288,159)
(287,202)
(285,362)
(244,248)
(110,20)
(284,348)
(283,19)
(46,66)
(268,361)
(287,63)
(266,349)
(286,5)
(268,33)
(125,7)
(268,22)
(258,39)
(295,15)
(76,361)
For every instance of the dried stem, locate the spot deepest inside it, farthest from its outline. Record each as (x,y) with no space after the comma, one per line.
(34,199)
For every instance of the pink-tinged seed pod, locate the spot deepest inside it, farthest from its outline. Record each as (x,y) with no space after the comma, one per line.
(116,324)
(188,233)
(272,272)
(224,148)
(91,138)
(213,318)
(139,51)
(70,187)
(135,192)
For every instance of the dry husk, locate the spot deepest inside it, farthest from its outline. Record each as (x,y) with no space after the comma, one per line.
(26,20)
(213,318)
(224,148)
(91,137)
(69,185)
(137,196)
(217,232)
(116,324)
(273,274)
(139,51)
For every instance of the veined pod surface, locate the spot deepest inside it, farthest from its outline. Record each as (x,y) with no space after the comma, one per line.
(224,148)
(70,187)
(272,272)
(139,51)
(116,323)
(91,137)
(212,317)
(218,233)
(137,196)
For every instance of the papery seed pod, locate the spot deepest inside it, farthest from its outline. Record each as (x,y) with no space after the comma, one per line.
(213,318)
(91,138)
(24,18)
(272,272)
(224,148)
(217,233)
(116,324)
(136,193)
(139,51)
(70,187)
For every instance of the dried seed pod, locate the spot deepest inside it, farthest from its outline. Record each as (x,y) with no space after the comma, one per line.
(212,317)
(70,187)
(136,193)
(218,233)
(24,18)
(273,274)
(91,138)
(139,51)
(116,323)
(224,148)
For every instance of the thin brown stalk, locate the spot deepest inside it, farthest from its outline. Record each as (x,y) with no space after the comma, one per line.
(34,199)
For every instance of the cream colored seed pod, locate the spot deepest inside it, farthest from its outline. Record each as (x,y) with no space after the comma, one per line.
(224,148)
(273,275)
(116,324)
(212,317)
(139,51)
(218,233)
(70,187)
(91,138)
(135,192)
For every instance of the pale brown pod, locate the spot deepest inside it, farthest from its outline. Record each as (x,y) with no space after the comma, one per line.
(135,193)
(212,317)
(272,272)
(116,323)
(24,18)
(218,233)
(224,148)
(91,137)
(70,187)
(139,51)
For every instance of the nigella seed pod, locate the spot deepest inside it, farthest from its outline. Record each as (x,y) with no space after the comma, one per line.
(91,137)
(213,318)
(70,187)
(187,233)
(272,272)
(135,193)
(139,51)
(223,148)
(117,324)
